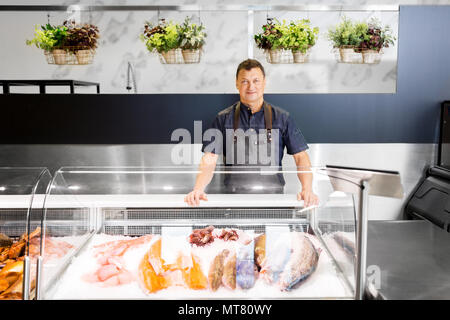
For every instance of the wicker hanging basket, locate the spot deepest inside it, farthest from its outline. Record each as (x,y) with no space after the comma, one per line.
(58,56)
(70,56)
(371,56)
(300,57)
(173,56)
(191,55)
(279,56)
(347,54)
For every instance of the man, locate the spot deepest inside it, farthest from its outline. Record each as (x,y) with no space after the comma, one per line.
(251,114)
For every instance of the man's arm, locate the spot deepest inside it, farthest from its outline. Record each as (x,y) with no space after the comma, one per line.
(304,164)
(207,166)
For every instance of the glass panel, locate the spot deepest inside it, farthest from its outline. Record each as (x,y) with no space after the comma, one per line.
(18,203)
(335,223)
(148,243)
(66,225)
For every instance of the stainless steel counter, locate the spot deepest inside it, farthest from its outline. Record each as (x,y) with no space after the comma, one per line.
(413,259)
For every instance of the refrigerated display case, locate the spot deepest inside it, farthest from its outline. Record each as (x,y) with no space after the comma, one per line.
(121,233)
(22,193)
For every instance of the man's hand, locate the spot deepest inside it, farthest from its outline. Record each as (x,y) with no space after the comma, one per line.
(309,197)
(193,198)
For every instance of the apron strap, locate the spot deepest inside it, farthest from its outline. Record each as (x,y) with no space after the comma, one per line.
(237,114)
(267,119)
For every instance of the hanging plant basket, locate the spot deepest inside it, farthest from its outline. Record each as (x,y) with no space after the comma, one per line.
(300,57)
(279,56)
(179,56)
(347,54)
(173,56)
(371,56)
(70,56)
(191,55)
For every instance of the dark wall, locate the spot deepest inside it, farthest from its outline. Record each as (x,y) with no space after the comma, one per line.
(409,116)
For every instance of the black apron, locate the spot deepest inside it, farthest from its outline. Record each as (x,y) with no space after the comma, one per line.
(253,154)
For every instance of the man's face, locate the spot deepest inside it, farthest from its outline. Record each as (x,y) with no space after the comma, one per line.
(251,84)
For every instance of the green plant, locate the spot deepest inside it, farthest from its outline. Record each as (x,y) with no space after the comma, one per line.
(48,37)
(348,33)
(162,37)
(81,37)
(298,36)
(191,35)
(270,37)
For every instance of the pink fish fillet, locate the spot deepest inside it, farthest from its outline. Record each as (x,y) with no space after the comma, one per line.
(107,272)
(111,271)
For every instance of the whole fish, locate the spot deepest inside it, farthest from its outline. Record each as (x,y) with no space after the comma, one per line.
(301,264)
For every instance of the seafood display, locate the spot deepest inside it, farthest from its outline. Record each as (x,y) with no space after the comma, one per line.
(260,250)
(302,262)
(12,254)
(5,241)
(229,271)
(201,237)
(111,270)
(229,235)
(11,251)
(155,274)
(228,263)
(246,271)
(215,274)
(294,258)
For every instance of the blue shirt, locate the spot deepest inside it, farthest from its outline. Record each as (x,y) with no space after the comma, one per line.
(290,135)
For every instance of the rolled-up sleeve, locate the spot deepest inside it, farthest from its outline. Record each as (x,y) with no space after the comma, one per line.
(214,142)
(293,137)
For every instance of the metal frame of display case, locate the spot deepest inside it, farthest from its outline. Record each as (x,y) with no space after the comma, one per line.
(40,173)
(364,182)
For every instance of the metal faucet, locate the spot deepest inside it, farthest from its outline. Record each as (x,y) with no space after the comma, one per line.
(130,70)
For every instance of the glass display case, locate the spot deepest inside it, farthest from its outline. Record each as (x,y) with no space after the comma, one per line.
(121,233)
(22,193)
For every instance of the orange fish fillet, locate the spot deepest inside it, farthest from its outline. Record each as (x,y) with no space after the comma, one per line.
(193,276)
(155,274)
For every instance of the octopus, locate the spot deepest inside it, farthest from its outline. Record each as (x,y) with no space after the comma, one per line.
(201,237)
(228,235)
